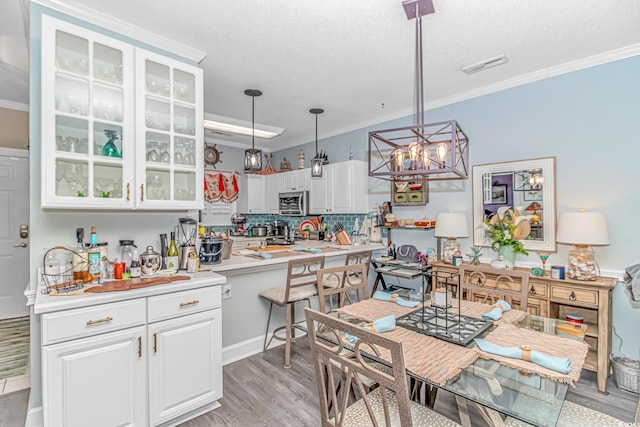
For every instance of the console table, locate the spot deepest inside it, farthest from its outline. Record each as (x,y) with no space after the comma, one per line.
(556,298)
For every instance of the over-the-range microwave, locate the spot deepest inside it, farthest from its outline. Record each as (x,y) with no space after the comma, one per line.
(294,203)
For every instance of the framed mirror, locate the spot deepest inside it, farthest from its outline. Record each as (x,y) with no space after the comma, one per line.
(526,185)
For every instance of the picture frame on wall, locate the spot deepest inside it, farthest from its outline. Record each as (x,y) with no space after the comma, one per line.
(499,194)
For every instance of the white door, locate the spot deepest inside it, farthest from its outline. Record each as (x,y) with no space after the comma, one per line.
(14,213)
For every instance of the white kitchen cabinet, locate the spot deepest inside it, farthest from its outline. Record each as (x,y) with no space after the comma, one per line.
(252,194)
(116,131)
(102,365)
(96,381)
(342,189)
(184,364)
(271,191)
(298,180)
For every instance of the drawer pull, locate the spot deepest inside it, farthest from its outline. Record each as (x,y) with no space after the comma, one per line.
(532,291)
(184,304)
(106,319)
(128,191)
(142,192)
(155,342)
(572,296)
(139,347)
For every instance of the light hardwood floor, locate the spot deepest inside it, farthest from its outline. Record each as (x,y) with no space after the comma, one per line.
(258,391)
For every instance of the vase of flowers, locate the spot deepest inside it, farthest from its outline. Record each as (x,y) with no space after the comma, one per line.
(507,228)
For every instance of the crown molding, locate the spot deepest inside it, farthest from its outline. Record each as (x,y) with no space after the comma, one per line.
(12,105)
(125,28)
(569,67)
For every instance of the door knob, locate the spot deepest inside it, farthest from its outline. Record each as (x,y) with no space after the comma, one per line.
(21,245)
(24,231)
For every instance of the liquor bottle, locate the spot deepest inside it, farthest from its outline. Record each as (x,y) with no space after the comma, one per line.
(80,261)
(94,257)
(172,253)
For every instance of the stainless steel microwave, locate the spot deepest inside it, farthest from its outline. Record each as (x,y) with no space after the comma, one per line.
(294,203)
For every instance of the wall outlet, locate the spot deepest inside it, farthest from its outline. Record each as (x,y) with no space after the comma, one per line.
(226,291)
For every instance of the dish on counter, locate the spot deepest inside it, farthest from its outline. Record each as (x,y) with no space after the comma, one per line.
(308,224)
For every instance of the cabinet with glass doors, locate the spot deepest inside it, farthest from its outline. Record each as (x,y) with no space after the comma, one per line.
(104,145)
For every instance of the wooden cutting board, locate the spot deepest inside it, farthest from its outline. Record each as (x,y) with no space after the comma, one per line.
(125,285)
(269,248)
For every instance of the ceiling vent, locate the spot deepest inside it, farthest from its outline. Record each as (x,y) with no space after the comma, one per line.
(486,64)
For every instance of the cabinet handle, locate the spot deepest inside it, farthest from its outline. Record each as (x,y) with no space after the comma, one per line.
(139,346)
(128,191)
(572,296)
(142,192)
(184,304)
(93,322)
(155,342)
(532,291)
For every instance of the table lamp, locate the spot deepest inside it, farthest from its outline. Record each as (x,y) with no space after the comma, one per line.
(583,229)
(451,225)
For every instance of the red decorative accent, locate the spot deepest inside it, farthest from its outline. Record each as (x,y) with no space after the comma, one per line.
(205,185)
(235,184)
(220,182)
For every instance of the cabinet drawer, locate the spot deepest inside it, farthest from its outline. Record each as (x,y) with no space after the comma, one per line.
(82,322)
(575,295)
(167,306)
(537,289)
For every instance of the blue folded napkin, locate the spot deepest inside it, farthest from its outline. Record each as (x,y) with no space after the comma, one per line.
(496,312)
(558,364)
(262,254)
(312,250)
(385,296)
(383,324)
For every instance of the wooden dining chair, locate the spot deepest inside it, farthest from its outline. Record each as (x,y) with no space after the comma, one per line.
(300,286)
(487,285)
(388,404)
(348,282)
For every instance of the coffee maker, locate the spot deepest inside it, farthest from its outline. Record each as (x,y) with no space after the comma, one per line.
(186,240)
(283,235)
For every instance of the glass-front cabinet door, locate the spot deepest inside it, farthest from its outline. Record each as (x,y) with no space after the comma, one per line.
(87,118)
(169,95)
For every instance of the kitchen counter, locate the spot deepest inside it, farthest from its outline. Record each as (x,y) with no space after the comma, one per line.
(242,264)
(46,303)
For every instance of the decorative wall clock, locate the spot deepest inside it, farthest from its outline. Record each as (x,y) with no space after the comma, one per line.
(211,155)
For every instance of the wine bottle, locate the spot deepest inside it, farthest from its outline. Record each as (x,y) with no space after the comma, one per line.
(94,257)
(80,262)
(172,253)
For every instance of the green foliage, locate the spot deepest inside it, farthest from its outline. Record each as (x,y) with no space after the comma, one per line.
(503,231)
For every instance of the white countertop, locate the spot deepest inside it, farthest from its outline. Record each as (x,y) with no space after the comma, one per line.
(46,303)
(238,263)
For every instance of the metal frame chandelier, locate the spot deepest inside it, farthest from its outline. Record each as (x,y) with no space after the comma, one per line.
(436,151)
(253,157)
(318,160)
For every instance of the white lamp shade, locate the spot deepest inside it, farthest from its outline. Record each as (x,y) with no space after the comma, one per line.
(583,228)
(451,224)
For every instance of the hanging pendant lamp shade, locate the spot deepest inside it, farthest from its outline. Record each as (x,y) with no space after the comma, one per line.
(316,162)
(253,157)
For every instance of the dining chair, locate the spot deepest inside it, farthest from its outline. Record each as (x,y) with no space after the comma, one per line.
(388,404)
(300,286)
(362,257)
(478,284)
(344,282)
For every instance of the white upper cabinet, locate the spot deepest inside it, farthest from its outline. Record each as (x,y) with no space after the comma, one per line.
(252,194)
(298,180)
(343,188)
(121,127)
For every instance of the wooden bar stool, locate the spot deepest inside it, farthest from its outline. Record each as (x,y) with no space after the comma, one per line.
(301,286)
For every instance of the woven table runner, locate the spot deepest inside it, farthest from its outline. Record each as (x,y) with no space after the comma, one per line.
(477,309)
(281,254)
(428,357)
(553,345)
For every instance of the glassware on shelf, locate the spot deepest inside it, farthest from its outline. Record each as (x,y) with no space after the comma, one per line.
(110,149)
(165,157)
(153,155)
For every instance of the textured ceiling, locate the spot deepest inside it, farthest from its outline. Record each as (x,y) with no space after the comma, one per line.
(355,58)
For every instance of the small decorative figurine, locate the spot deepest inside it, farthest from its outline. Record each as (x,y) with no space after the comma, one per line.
(301,159)
(285,165)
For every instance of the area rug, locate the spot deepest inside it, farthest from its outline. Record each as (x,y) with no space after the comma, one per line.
(14,347)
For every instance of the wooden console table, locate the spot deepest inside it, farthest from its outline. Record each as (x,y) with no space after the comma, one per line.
(556,298)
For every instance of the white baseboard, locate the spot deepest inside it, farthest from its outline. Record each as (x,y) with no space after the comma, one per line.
(35,417)
(244,349)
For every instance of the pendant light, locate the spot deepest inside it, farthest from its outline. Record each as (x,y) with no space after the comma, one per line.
(316,162)
(253,157)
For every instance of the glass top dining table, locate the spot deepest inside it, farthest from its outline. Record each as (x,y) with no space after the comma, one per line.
(495,389)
